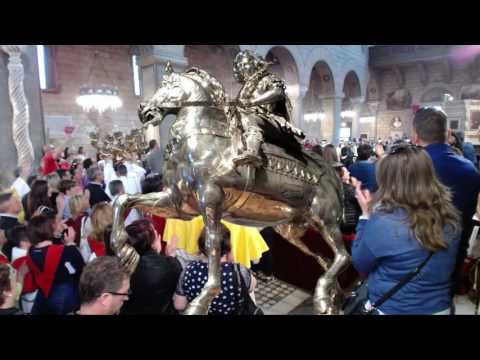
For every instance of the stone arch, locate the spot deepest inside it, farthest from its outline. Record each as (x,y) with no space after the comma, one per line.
(351,85)
(285,67)
(434,91)
(216,60)
(321,85)
(288,55)
(320,54)
(322,82)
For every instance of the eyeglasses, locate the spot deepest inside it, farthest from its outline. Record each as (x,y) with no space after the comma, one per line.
(128,293)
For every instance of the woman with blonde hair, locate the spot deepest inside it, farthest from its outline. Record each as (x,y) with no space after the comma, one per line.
(407,237)
(79,218)
(94,245)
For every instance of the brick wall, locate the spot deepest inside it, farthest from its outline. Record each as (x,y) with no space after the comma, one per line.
(73,64)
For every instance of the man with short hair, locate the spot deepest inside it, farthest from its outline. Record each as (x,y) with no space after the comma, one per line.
(459,174)
(346,155)
(155,157)
(364,170)
(116,189)
(104,287)
(95,187)
(10,208)
(130,180)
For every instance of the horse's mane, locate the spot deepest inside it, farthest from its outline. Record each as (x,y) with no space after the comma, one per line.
(209,83)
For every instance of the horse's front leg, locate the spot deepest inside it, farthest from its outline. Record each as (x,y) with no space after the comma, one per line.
(211,199)
(161,203)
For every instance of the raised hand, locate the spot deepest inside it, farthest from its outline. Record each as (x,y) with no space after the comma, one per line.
(364,197)
(69,238)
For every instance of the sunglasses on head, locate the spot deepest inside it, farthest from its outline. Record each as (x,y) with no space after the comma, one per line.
(45,210)
(396,149)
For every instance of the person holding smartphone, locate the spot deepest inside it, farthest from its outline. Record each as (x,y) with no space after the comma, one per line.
(56,268)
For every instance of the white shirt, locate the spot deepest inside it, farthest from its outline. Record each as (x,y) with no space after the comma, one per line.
(13,216)
(131,182)
(21,187)
(134,215)
(136,169)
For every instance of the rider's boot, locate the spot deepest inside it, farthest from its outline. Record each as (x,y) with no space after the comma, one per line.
(250,156)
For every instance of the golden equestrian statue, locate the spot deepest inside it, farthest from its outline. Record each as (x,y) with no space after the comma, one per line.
(206,173)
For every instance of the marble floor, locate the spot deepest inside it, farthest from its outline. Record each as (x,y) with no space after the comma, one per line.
(276,297)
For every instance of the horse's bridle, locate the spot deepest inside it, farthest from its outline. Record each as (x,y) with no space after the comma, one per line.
(181,104)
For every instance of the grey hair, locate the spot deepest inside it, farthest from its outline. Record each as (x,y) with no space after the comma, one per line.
(92,172)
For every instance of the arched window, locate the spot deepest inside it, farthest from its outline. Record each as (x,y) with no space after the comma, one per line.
(46,67)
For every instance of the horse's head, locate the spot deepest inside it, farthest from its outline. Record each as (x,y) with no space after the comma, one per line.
(177,89)
(174,90)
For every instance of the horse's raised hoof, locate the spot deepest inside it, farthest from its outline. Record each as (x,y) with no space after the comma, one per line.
(324,307)
(328,298)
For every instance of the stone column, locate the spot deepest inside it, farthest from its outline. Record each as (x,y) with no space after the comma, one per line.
(21,115)
(332,108)
(357,107)
(153,60)
(373,107)
(296,98)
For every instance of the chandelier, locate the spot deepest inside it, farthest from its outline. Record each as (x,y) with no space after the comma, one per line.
(101,97)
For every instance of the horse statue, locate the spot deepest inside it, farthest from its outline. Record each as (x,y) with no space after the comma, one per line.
(290,192)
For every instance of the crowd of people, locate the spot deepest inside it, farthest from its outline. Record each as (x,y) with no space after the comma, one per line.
(408,205)
(55,231)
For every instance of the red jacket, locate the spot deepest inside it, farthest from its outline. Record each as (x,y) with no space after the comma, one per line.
(49,164)
(97,247)
(44,279)
(3,259)
(28,283)
(158,223)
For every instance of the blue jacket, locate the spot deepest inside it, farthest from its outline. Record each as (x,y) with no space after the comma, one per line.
(386,250)
(459,175)
(364,171)
(470,153)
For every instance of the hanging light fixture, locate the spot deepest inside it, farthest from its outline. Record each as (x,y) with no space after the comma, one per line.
(101,97)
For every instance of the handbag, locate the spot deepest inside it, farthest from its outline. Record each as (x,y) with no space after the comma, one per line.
(248,307)
(356,304)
